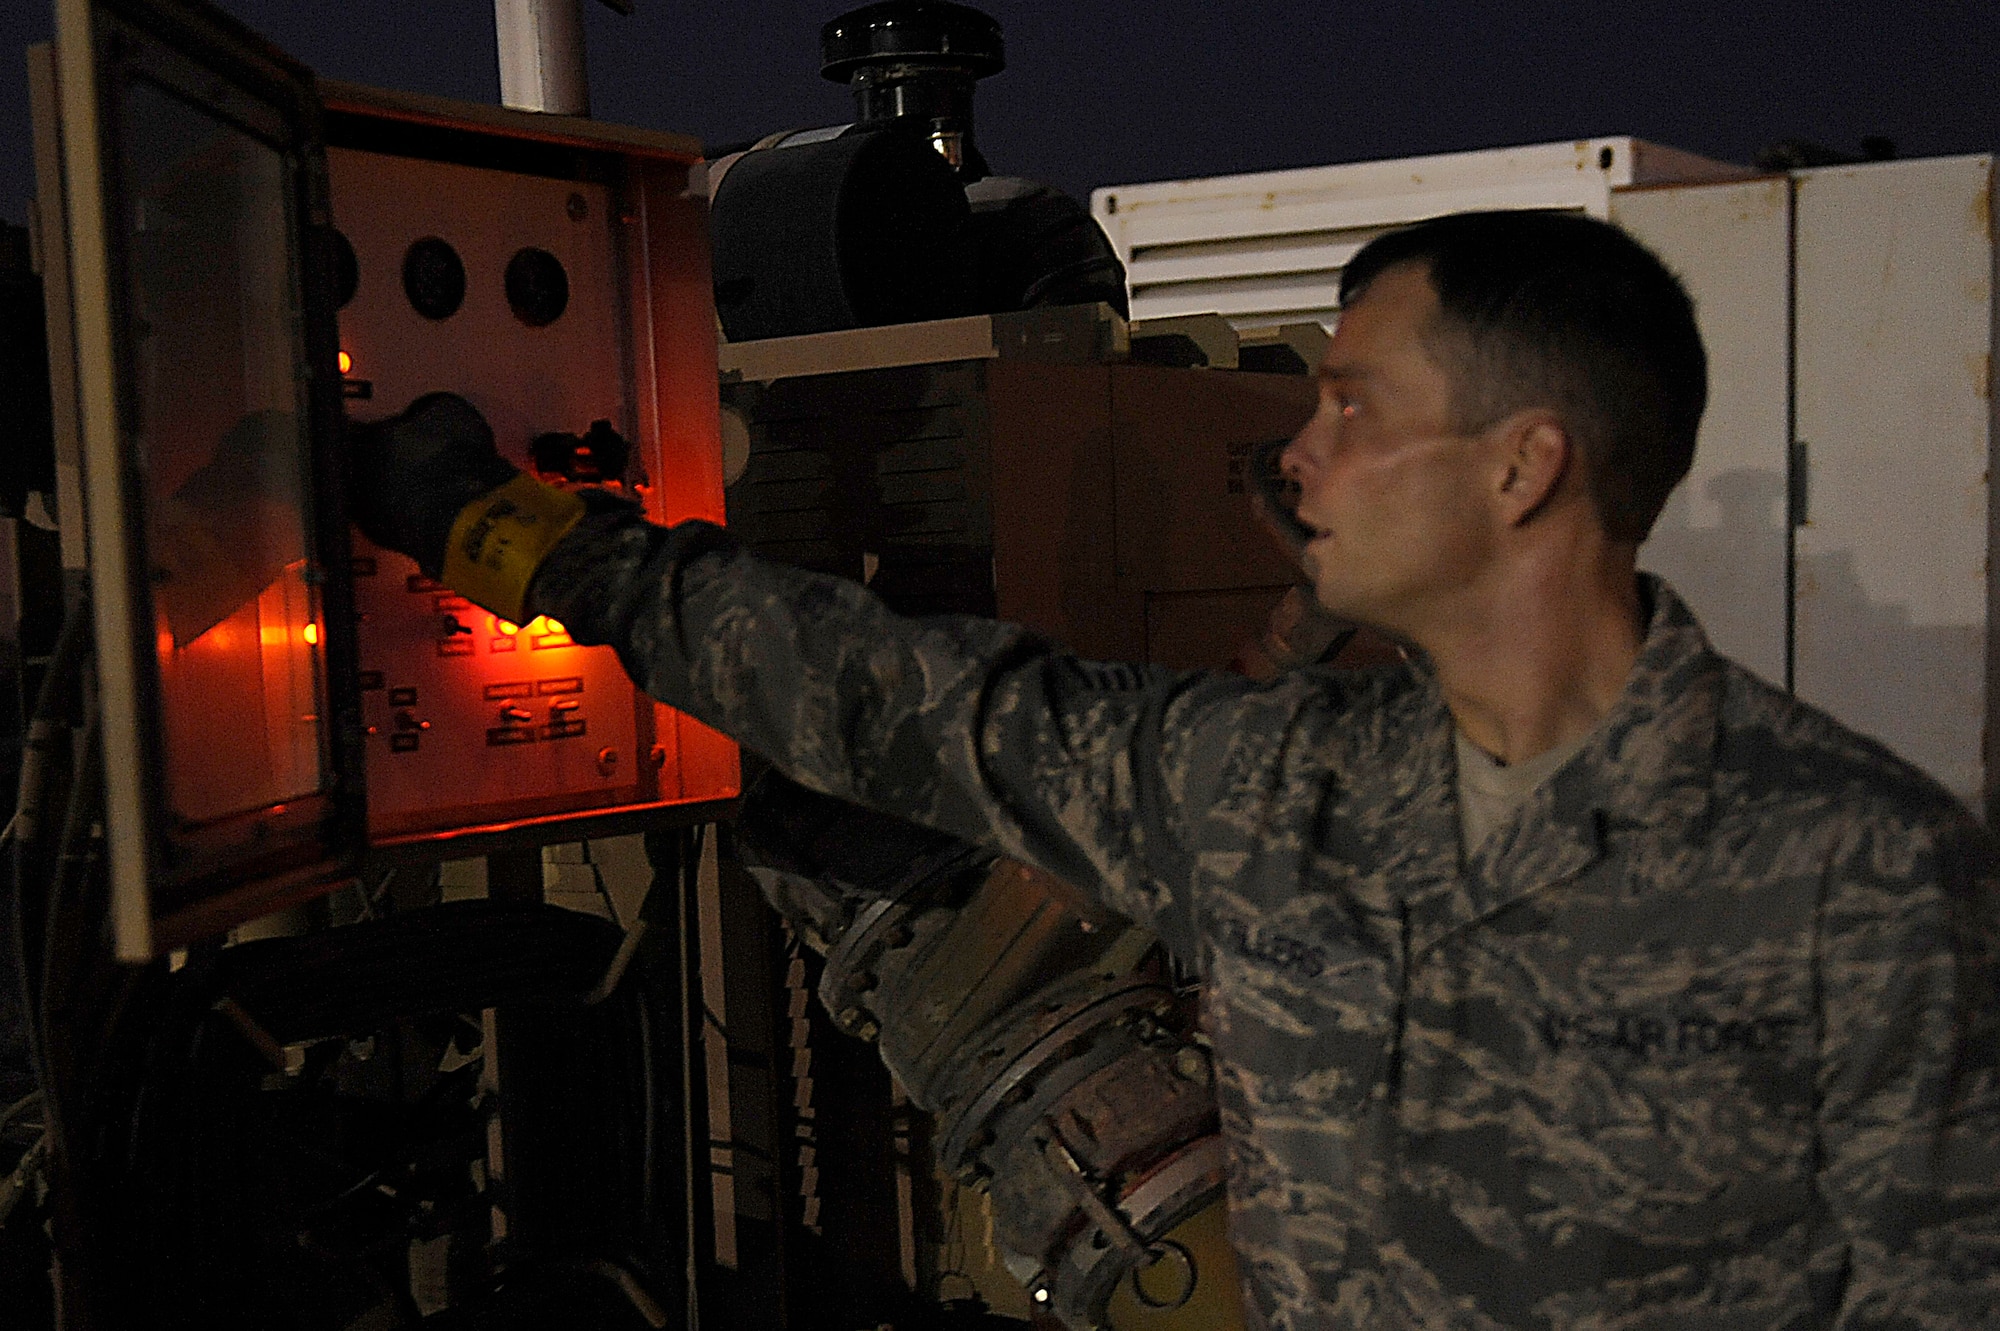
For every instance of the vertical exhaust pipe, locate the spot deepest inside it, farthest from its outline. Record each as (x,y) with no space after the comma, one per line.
(541,56)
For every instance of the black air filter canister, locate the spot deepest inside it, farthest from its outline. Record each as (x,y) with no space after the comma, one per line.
(853,231)
(916,61)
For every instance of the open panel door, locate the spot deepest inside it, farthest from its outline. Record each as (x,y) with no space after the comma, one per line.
(194,189)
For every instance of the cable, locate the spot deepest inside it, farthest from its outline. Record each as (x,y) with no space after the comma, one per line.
(18,1108)
(73,854)
(45,722)
(74,860)
(46,727)
(45,787)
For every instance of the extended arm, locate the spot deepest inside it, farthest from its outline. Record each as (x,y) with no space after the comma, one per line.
(970,726)
(976,728)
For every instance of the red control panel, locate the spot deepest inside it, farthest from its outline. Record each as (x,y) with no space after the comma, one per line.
(566,295)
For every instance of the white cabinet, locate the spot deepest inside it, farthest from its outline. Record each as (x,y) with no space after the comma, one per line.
(1863,297)
(1894,282)
(1721,540)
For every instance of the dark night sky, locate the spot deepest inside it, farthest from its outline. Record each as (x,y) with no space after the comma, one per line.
(1101,93)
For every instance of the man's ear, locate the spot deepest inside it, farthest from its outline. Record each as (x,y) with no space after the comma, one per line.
(1534,454)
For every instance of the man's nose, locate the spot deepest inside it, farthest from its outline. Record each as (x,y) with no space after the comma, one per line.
(1291,459)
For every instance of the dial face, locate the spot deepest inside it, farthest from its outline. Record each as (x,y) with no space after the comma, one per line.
(537,287)
(434,278)
(346,270)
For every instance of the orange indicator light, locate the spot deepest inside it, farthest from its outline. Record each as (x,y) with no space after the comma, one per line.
(346,362)
(505,626)
(554,626)
(311,634)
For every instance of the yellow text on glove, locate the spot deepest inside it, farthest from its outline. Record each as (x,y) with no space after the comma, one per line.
(500,539)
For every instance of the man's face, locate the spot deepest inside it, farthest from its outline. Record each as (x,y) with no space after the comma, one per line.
(1398,498)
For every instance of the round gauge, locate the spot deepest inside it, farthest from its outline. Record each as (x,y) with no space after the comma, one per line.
(346,270)
(537,287)
(434,278)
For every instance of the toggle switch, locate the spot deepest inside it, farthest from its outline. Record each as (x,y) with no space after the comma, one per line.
(409,720)
(598,456)
(515,715)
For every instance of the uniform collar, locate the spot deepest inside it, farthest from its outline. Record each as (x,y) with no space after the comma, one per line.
(1649,764)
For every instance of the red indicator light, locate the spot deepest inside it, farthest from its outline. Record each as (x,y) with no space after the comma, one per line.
(346,362)
(311,635)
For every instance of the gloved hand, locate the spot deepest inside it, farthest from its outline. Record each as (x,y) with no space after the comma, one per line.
(430,483)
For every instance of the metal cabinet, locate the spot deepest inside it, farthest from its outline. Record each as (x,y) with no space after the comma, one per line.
(1835,532)
(1721,541)
(239,251)
(1893,272)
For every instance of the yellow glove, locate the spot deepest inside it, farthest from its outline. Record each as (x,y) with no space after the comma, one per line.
(500,539)
(430,483)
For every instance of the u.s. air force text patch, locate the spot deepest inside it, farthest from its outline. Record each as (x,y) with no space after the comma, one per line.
(1666,1035)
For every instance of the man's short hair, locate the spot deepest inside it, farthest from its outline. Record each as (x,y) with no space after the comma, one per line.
(1558,310)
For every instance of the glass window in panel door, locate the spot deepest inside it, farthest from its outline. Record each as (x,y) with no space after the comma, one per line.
(217,427)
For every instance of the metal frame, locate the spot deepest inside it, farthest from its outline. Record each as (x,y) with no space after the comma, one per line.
(215,63)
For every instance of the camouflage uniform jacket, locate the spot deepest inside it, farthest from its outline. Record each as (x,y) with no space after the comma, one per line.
(1708,1036)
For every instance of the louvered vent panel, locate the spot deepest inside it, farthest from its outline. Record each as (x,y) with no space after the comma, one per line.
(1269,248)
(1253,281)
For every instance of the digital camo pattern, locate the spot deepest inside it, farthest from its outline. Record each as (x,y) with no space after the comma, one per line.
(1722,1049)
